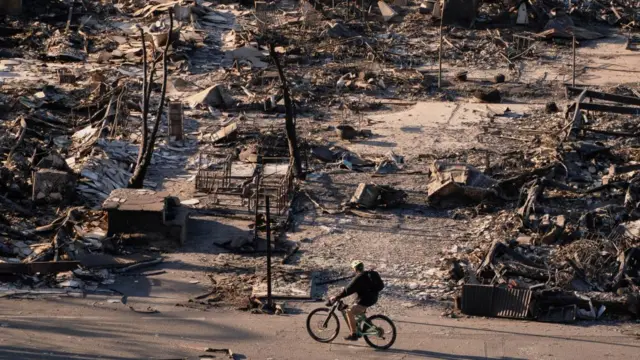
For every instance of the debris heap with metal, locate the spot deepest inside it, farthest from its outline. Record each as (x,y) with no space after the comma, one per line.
(556,210)
(555,200)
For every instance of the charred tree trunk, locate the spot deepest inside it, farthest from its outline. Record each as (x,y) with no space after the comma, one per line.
(290,123)
(527,208)
(149,140)
(146,83)
(23,130)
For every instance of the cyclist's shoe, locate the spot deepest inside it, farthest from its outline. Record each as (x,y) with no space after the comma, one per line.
(351,337)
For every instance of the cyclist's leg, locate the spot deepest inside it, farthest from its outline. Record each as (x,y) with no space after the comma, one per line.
(352,312)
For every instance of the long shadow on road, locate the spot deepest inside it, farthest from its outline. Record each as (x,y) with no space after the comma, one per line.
(494,331)
(431,354)
(12,352)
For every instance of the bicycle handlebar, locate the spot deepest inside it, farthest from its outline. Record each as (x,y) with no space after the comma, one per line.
(338,303)
(329,303)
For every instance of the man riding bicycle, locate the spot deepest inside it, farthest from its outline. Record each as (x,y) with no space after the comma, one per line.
(367,284)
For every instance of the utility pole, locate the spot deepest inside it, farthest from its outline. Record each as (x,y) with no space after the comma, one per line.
(574,60)
(269,300)
(444,2)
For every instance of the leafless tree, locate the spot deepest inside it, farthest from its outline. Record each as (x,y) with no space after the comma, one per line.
(148,143)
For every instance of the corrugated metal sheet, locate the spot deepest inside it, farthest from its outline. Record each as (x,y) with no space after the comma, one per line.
(511,303)
(477,300)
(487,300)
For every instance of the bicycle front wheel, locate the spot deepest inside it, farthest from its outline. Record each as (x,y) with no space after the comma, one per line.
(385,332)
(322,325)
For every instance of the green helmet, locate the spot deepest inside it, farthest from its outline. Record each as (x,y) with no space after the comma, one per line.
(357,265)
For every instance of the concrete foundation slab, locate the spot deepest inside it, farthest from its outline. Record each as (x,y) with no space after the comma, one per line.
(140,211)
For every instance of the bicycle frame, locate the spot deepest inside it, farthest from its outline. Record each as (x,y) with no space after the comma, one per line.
(372,330)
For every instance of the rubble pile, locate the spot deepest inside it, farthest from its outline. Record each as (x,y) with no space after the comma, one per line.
(72,113)
(562,220)
(622,13)
(69,136)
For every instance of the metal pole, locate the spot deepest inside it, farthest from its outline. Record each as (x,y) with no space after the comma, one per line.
(574,60)
(440,52)
(257,195)
(269,301)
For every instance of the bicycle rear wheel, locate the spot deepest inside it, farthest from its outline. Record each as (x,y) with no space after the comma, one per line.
(386,332)
(316,325)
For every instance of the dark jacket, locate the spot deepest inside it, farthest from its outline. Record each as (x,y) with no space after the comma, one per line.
(362,286)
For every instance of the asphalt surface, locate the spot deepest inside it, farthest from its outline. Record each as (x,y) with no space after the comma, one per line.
(94,328)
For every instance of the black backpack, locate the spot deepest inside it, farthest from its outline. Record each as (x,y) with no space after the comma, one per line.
(376,281)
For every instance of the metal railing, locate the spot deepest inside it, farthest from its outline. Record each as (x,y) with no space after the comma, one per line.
(248,192)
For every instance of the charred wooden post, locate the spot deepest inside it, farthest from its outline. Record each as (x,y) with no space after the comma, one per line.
(440,50)
(290,124)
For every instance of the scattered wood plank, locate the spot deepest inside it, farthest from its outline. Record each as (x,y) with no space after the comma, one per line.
(629,100)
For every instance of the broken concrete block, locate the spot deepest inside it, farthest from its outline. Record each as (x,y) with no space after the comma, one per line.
(53,185)
(387,12)
(215,95)
(437,189)
(366,196)
(461,180)
(462,174)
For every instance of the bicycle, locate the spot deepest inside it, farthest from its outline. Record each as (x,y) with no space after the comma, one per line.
(365,327)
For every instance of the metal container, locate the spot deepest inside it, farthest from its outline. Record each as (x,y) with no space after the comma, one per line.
(488,300)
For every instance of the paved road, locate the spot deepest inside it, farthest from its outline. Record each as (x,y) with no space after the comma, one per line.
(93,328)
